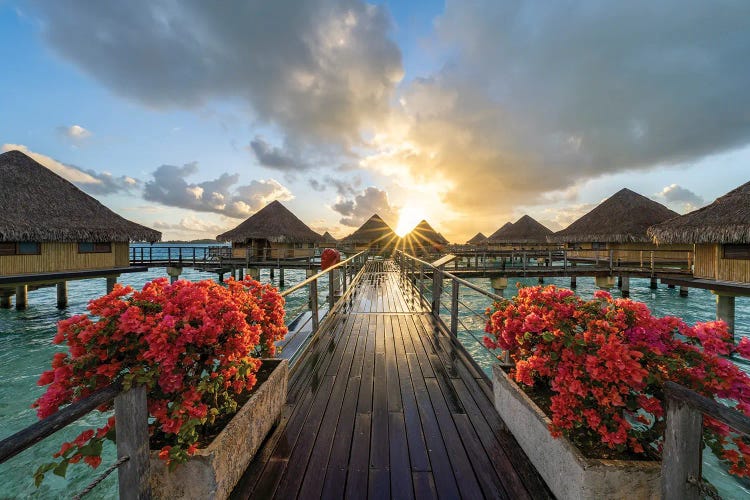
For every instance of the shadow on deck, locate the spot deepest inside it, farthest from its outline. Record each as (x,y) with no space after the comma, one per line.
(381,405)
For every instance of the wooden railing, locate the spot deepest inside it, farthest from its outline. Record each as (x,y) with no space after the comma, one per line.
(178,256)
(131,411)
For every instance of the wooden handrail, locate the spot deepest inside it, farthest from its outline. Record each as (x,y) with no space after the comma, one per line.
(315,277)
(707,406)
(15,444)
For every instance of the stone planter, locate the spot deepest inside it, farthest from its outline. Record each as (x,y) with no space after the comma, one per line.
(214,471)
(566,471)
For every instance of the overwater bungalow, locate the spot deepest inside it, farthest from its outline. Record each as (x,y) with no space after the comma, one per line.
(424,239)
(720,233)
(493,240)
(51,232)
(477,240)
(619,224)
(273,232)
(524,234)
(328,240)
(375,235)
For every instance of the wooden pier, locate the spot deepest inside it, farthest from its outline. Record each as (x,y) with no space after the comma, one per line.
(384,404)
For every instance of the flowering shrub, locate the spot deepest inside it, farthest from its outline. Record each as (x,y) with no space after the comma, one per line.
(604,362)
(196,347)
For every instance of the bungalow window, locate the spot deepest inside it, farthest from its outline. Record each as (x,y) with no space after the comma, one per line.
(737,252)
(20,248)
(88,247)
(7,248)
(597,245)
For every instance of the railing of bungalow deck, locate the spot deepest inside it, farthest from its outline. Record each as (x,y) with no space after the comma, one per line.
(683,441)
(131,412)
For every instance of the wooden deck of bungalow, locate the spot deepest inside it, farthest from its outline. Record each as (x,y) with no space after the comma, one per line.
(383,404)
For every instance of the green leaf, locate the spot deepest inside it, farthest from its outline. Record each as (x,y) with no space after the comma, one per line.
(548,336)
(61,469)
(38,478)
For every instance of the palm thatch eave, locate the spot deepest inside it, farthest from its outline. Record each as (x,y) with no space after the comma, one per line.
(274,223)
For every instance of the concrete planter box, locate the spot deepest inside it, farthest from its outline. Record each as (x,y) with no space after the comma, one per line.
(566,471)
(213,471)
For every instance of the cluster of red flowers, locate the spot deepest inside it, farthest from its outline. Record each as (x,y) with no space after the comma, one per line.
(196,346)
(605,362)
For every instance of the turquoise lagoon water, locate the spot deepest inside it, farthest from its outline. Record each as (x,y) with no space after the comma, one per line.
(26,351)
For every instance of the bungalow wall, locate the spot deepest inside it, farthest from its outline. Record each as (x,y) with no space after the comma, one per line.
(56,256)
(634,253)
(711,264)
(262,249)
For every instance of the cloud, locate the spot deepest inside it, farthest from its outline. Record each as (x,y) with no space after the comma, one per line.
(688,200)
(276,157)
(316,185)
(74,132)
(537,97)
(219,195)
(321,69)
(191,224)
(363,206)
(89,180)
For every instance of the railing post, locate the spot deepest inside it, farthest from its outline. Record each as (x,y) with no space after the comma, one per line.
(681,455)
(421,282)
(346,271)
(131,414)
(454,307)
(437,290)
(565,261)
(331,289)
(314,304)
(611,255)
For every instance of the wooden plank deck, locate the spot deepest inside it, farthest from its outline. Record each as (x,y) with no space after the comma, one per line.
(381,406)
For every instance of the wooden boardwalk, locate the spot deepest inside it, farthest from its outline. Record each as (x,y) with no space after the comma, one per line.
(382,406)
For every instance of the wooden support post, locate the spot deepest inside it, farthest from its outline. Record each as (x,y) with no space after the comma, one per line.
(619,281)
(314,304)
(437,290)
(573,283)
(111,280)
(22,297)
(331,289)
(725,310)
(281,276)
(454,307)
(670,286)
(131,413)
(683,291)
(652,284)
(221,277)
(270,273)
(240,273)
(62,295)
(541,280)
(4,301)
(681,455)
(174,273)
(625,286)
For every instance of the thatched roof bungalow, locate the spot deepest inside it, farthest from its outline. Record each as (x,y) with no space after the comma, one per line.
(423,239)
(375,234)
(478,239)
(720,233)
(525,233)
(619,223)
(273,232)
(48,225)
(493,240)
(328,239)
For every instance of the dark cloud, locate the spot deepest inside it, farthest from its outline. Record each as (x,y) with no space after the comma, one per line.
(319,69)
(275,157)
(680,195)
(220,195)
(316,185)
(357,210)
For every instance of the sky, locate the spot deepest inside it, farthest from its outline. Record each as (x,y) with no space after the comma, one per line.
(190,116)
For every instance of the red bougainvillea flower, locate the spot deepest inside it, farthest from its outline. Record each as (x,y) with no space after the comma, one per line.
(606,361)
(196,346)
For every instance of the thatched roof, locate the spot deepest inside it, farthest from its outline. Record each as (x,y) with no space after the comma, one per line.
(726,220)
(328,238)
(478,239)
(423,235)
(499,233)
(375,230)
(36,204)
(524,230)
(623,217)
(274,223)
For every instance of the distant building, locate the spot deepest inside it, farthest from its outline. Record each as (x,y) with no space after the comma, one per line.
(524,234)
(272,233)
(51,231)
(477,240)
(619,224)
(374,235)
(423,239)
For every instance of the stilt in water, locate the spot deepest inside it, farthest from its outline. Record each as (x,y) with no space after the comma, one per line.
(625,286)
(111,280)
(22,297)
(4,301)
(573,283)
(62,295)
(725,311)
(684,291)
(281,276)
(652,285)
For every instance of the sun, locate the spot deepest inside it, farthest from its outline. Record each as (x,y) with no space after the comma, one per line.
(408,217)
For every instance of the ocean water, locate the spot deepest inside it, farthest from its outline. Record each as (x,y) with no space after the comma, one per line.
(699,305)
(26,351)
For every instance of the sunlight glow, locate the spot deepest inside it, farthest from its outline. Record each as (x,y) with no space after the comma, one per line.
(408,217)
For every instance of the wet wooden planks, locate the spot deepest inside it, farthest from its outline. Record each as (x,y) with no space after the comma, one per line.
(383,406)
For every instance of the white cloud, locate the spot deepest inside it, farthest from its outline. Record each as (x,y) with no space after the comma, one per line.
(75,132)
